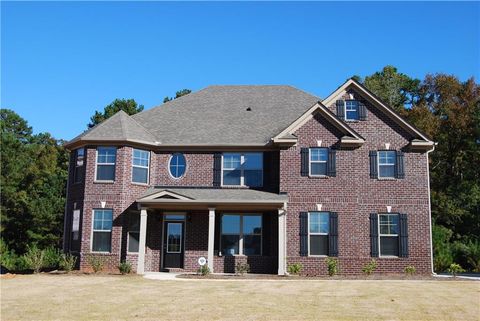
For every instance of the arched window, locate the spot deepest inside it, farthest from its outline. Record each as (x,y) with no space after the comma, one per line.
(177,165)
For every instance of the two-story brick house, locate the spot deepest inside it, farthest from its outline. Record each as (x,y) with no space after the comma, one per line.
(267,175)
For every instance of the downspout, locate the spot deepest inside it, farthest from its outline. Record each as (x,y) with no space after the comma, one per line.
(66,204)
(430,208)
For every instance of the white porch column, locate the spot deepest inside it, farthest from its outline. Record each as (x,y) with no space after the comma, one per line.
(211,237)
(142,241)
(282,213)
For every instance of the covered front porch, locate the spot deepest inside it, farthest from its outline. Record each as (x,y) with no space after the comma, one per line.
(225,226)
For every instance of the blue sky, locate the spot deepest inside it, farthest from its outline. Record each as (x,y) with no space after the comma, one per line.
(62,61)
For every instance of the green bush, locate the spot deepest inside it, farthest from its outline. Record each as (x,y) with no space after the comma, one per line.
(52,257)
(442,249)
(332,266)
(370,267)
(8,259)
(125,267)
(242,268)
(96,262)
(34,258)
(473,257)
(67,262)
(203,270)
(410,270)
(295,268)
(454,269)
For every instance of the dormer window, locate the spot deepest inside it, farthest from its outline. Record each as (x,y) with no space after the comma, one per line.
(351,110)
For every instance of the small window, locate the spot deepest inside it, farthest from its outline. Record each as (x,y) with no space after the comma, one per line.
(79,169)
(388,228)
(318,161)
(243,169)
(318,227)
(102,230)
(133,232)
(177,165)
(241,234)
(106,159)
(351,110)
(386,164)
(140,166)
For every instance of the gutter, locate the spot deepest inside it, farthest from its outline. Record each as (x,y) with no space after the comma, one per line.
(430,208)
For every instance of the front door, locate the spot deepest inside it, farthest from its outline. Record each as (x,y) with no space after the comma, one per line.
(173,245)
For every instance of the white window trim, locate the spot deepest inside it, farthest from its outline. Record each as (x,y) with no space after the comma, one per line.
(308,227)
(99,231)
(139,166)
(77,166)
(96,165)
(181,237)
(318,162)
(168,166)
(380,235)
(128,235)
(378,164)
(241,234)
(345,110)
(242,162)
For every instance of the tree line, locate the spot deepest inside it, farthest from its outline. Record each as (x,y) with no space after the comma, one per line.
(34,166)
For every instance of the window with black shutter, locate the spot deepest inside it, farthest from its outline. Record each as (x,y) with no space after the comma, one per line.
(217,169)
(403,235)
(374,235)
(303,234)
(388,227)
(319,234)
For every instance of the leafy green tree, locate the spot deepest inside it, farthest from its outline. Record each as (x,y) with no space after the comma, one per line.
(178,94)
(129,106)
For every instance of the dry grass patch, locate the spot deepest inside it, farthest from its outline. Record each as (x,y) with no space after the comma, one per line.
(67,297)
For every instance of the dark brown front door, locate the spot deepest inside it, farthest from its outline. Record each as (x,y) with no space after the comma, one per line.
(173,244)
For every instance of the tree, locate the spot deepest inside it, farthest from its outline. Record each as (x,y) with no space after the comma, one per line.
(129,106)
(178,94)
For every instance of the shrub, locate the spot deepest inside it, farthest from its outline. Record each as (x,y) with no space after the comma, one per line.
(295,268)
(473,257)
(96,262)
(454,269)
(332,266)
(410,270)
(52,257)
(369,267)
(67,262)
(8,259)
(204,270)
(242,268)
(125,267)
(34,258)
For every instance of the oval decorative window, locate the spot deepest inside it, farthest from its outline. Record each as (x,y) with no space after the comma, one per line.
(177,165)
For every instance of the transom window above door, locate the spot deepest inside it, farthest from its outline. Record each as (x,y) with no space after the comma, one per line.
(242,169)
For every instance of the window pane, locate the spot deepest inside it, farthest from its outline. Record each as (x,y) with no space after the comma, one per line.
(230,244)
(231,161)
(134,222)
(253,177)
(252,224)
(318,168)
(318,244)
(105,172)
(318,154)
(78,174)
(140,158)
(174,237)
(177,165)
(80,157)
(101,241)
(351,110)
(133,239)
(175,217)
(106,154)
(319,222)
(231,177)
(231,224)
(386,171)
(388,223)
(252,245)
(389,245)
(387,157)
(139,175)
(253,161)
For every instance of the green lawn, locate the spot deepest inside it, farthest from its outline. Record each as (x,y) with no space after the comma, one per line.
(81,297)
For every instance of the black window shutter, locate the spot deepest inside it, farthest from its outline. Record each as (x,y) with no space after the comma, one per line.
(402,235)
(217,169)
(374,235)
(332,163)
(373,164)
(340,109)
(303,233)
(333,235)
(304,159)
(400,165)
(362,111)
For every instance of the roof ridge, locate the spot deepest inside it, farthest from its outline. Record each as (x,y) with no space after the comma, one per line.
(140,125)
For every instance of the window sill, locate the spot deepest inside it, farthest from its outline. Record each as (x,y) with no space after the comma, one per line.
(103,253)
(388,257)
(240,255)
(132,253)
(319,256)
(140,184)
(240,186)
(103,182)
(386,178)
(319,176)
(352,120)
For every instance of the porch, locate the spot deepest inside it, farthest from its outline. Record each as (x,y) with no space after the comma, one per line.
(225,226)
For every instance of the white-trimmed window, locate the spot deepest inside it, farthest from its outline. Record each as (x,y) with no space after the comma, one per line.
(133,232)
(102,230)
(106,159)
(351,110)
(241,234)
(388,234)
(318,161)
(386,163)
(318,227)
(140,166)
(242,169)
(177,165)
(79,162)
